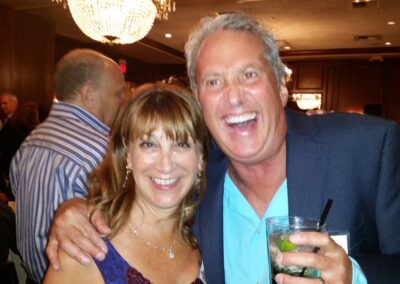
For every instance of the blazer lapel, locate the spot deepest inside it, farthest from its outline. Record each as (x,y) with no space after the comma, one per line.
(210,216)
(305,167)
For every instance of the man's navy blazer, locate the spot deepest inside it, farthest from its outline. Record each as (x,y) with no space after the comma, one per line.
(352,159)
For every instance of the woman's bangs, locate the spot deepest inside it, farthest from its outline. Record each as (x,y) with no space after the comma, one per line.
(170,118)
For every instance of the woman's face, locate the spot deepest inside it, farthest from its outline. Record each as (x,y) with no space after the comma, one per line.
(164,170)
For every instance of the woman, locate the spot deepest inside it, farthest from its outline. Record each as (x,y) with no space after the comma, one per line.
(148,188)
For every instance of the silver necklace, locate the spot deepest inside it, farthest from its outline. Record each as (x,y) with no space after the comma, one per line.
(169,250)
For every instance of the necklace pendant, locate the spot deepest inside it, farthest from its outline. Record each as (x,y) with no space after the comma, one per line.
(171,254)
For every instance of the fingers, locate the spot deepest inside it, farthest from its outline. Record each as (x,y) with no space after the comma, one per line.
(305,259)
(311,112)
(287,279)
(52,252)
(315,239)
(98,221)
(332,261)
(72,232)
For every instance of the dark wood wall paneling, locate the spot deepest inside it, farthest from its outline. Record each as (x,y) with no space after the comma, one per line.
(26,56)
(349,84)
(29,50)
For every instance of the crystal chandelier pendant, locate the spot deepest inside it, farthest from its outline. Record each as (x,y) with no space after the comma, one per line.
(114,21)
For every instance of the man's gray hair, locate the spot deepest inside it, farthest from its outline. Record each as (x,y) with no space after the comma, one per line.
(234,22)
(77,68)
(10,95)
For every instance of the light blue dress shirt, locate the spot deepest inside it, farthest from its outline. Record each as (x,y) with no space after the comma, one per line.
(245,237)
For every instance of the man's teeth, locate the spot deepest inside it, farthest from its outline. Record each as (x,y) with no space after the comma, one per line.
(164,182)
(241,118)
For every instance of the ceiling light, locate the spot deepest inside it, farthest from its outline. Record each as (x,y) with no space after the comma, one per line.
(168,35)
(117,21)
(308,101)
(289,73)
(388,43)
(391,23)
(287,47)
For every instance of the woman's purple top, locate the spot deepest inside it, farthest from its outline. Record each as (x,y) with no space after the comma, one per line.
(115,269)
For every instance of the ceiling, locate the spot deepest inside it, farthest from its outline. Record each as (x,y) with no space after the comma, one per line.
(304,25)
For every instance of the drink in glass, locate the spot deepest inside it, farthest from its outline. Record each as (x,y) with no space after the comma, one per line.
(279,230)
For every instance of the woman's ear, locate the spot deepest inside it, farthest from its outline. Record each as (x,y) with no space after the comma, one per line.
(128,161)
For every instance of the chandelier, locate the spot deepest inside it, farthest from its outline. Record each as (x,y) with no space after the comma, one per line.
(163,8)
(117,21)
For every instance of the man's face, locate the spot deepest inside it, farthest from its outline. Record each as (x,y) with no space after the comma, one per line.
(241,102)
(111,92)
(8,105)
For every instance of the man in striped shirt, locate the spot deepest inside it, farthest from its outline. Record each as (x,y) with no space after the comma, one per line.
(53,163)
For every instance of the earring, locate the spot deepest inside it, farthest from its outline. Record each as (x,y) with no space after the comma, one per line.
(198,179)
(127,172)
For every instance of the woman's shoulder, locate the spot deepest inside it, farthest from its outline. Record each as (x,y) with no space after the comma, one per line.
(71,271)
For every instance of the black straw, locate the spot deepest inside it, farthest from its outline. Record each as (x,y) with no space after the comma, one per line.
(321,223)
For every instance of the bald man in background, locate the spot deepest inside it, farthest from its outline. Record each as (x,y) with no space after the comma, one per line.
(54,161)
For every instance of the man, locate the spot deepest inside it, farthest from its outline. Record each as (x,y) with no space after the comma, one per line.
(9,104)
(54,161)
(266,161)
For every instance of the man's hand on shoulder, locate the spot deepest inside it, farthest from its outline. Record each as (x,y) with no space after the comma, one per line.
(74,233)
(317,112)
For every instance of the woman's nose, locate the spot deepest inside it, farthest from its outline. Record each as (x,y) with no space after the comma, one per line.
(166,162)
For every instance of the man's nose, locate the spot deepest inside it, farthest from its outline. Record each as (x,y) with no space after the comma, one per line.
(234,93)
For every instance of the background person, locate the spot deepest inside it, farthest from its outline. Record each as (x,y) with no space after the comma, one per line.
(8,104)
(148,187)
(54,161)
(18,127)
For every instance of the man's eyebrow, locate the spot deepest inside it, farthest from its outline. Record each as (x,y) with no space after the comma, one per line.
(210,74)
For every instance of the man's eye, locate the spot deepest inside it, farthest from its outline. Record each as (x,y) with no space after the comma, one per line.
(212,82)
(250,75)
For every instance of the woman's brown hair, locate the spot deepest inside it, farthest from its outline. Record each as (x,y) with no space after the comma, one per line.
(151,106)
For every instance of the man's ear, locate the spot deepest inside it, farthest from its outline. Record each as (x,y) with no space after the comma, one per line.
(87,96)
(200,166)
(283,92)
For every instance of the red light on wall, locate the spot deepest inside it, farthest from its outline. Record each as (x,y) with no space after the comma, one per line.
(123,68)
(122,65)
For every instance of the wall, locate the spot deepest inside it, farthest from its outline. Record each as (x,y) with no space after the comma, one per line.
(29,50)
(349,84)
(26,56)
(138,72)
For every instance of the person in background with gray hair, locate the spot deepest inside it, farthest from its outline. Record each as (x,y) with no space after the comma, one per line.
(8,104)
(266,160)
(54,161)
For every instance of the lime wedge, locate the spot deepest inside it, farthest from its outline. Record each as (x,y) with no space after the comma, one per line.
(285,245)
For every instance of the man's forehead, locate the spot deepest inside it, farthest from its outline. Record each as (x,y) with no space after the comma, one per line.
(213,59)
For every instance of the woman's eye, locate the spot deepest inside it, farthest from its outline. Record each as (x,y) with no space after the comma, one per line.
(146,144)
(183,145)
